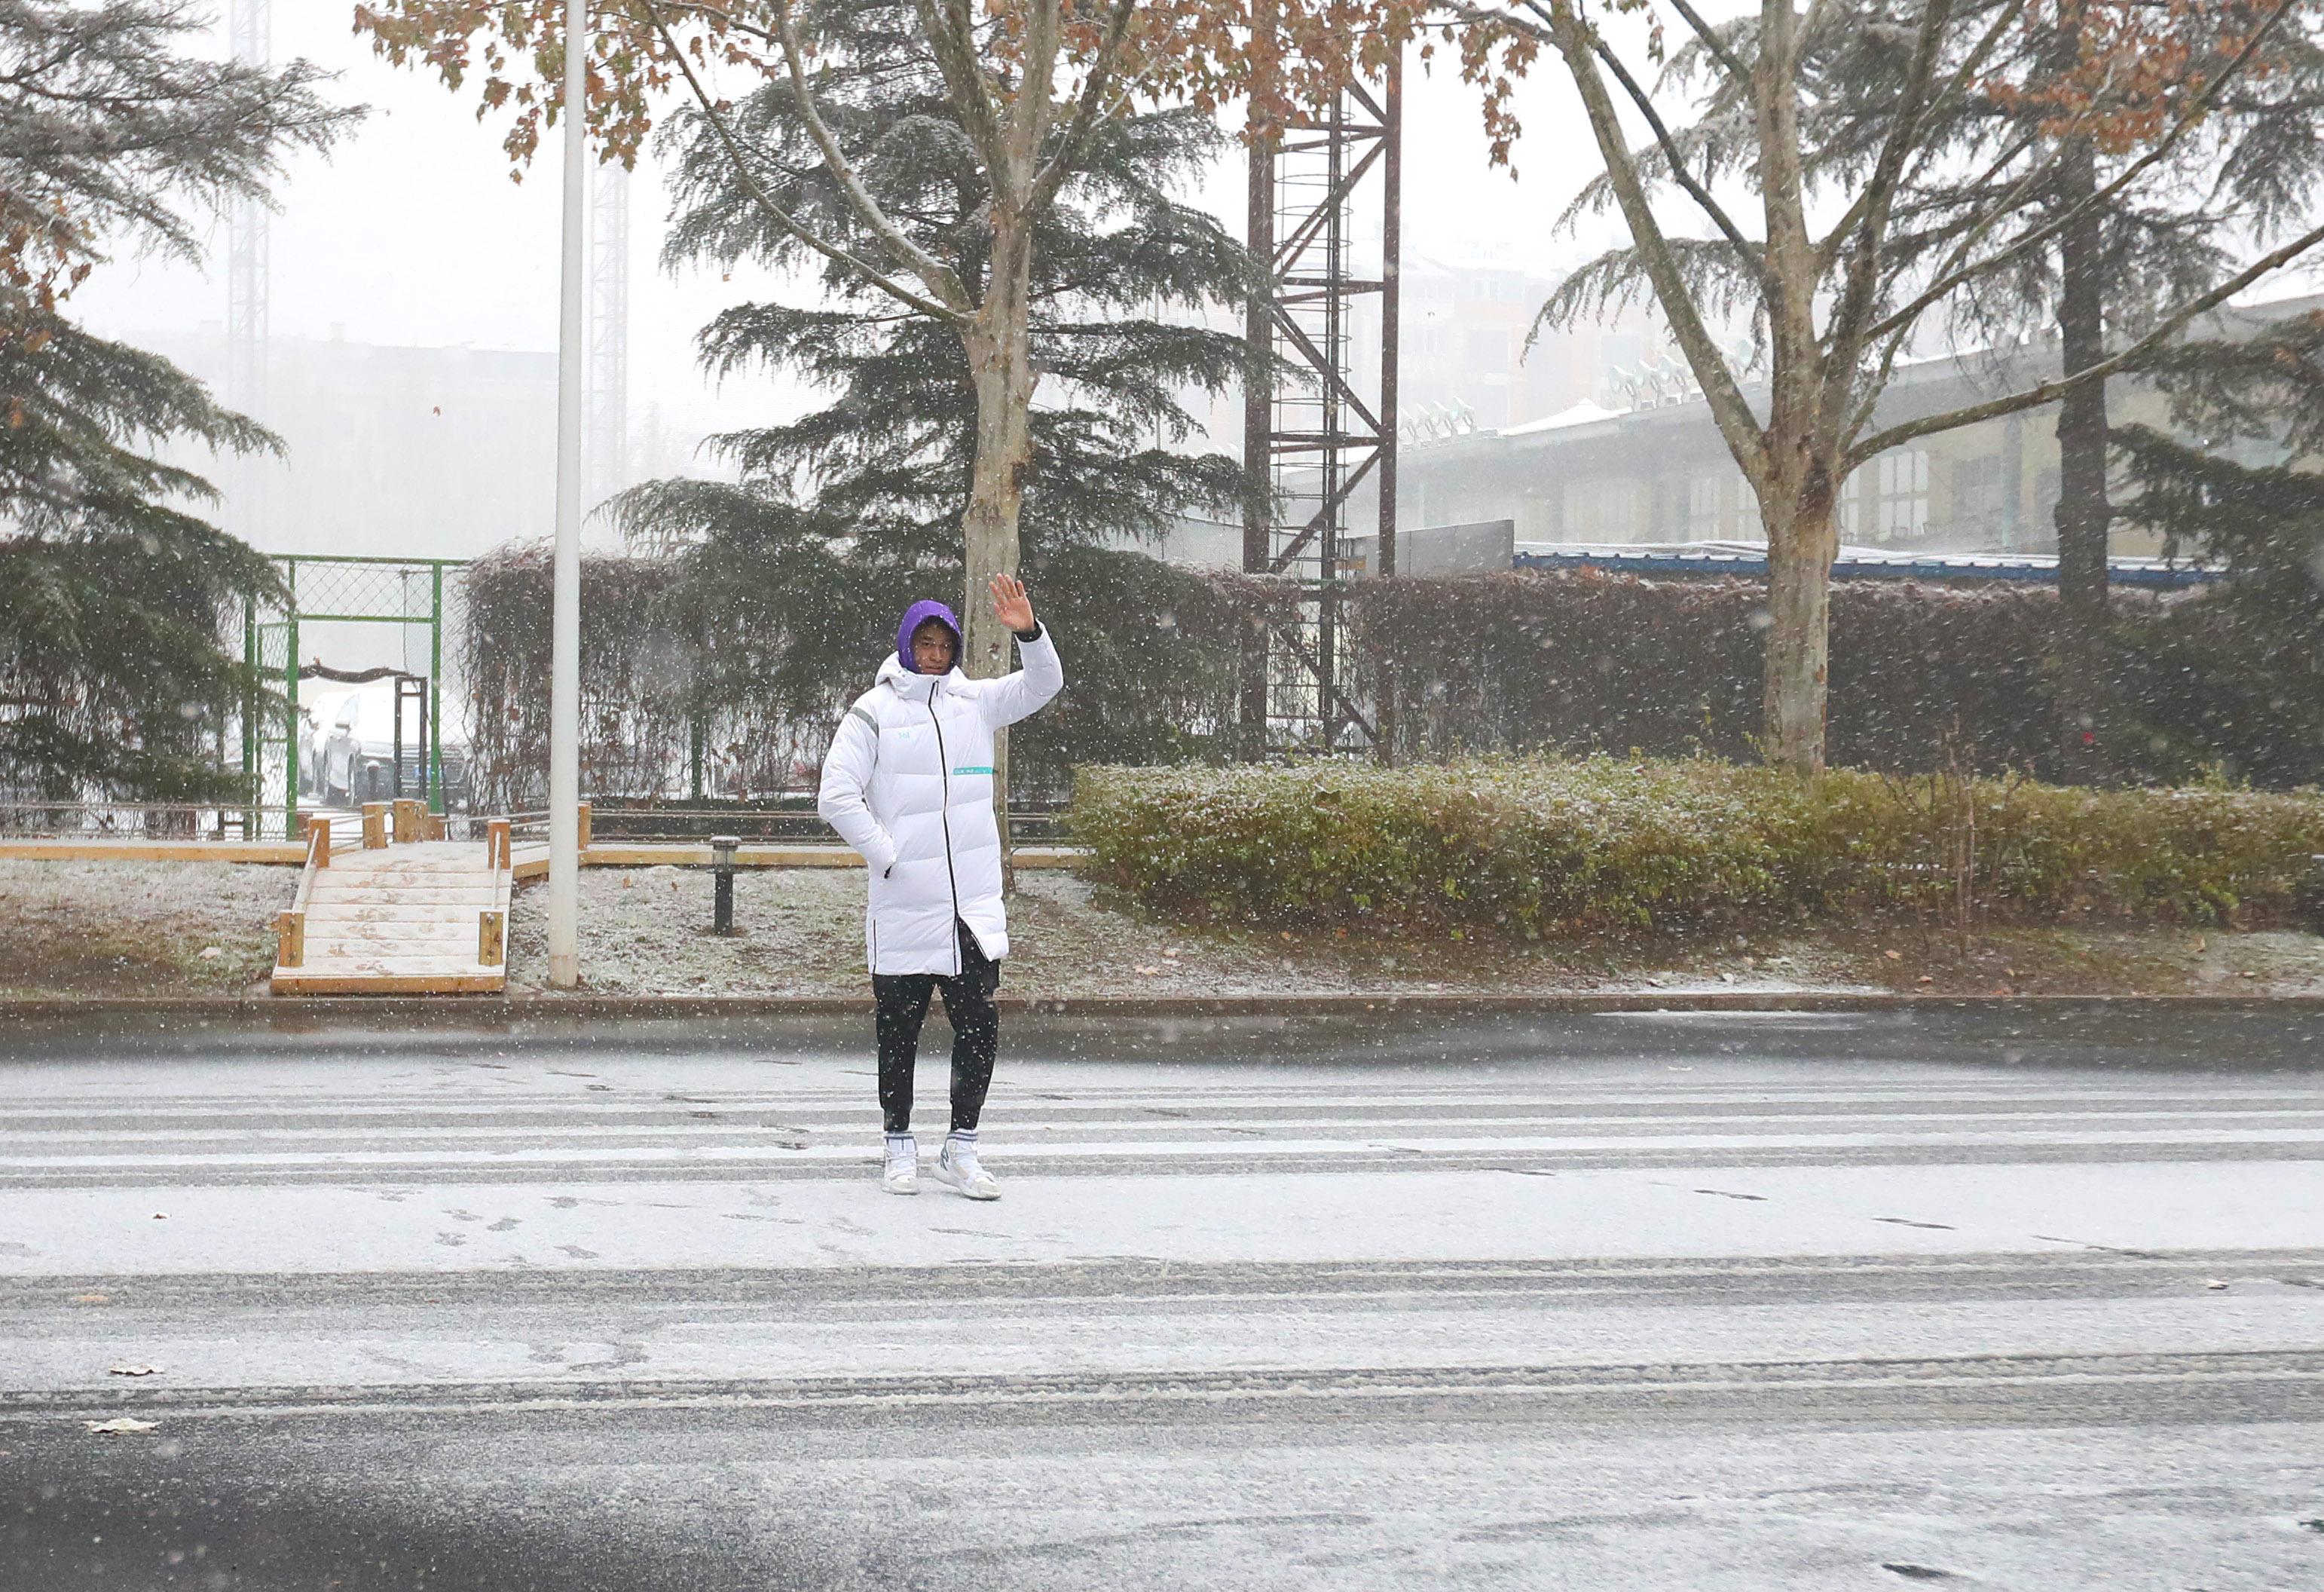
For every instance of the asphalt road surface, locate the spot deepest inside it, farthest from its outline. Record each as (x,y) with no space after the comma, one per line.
(1653,1300)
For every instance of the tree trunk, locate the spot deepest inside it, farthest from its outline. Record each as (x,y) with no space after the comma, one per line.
(1801,542)
(999,345)
(2083,513)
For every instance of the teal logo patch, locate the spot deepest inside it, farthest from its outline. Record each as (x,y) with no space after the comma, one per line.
(960,773)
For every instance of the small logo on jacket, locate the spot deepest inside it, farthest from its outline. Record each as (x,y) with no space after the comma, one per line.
(960,773)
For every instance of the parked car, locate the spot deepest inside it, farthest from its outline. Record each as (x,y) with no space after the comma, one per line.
(356,759)
(315,720)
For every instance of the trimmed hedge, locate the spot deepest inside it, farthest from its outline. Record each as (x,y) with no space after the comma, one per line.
(1530,848)
(1577,661)
(1570,661)
(675,647)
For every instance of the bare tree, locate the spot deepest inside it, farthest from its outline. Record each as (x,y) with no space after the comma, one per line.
(1834,298)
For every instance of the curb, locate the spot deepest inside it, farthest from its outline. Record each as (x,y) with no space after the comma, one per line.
(483,1011)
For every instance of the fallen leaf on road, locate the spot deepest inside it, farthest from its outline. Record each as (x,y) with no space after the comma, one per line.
(120,1425)
(1145,972)
(127,1369)
(160,1216)
(1894,955)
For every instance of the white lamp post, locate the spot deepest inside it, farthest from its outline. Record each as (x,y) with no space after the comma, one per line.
(565,650)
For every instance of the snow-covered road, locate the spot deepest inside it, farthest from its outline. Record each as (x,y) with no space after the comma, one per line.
(1646,1299)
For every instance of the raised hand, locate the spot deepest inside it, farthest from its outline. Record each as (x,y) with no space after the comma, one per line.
(1011,606)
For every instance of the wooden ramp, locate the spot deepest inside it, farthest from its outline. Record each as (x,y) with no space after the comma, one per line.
(398,917)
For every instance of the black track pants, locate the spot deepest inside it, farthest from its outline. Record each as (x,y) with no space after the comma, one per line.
(900,1004)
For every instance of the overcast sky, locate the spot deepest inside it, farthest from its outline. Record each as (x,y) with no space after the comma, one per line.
(413,234)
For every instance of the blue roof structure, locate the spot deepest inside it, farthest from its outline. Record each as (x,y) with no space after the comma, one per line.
(1749,560)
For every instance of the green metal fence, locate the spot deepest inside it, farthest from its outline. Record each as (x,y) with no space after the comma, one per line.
(337,602)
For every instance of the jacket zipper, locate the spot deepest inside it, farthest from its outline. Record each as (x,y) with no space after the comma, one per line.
(943,768)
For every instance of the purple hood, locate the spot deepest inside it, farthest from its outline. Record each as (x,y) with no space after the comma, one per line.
(918,615)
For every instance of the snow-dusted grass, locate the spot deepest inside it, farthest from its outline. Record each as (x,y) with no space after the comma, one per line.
(646,932)
(138,928)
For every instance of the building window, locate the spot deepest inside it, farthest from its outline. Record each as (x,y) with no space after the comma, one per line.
(2046,503)
(1977,494)
(1901,512)
(1702,518)
(1603,508)
(1487,350)
(1746,511)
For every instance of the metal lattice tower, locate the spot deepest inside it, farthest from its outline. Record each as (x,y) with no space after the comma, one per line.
(250,36)
(607,445)
(1313,440)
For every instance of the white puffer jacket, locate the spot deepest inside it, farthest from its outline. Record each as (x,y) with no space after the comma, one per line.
(908,783)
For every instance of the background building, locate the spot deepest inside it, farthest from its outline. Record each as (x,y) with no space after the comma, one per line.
(1643,462)
(415,452)
(1464,347)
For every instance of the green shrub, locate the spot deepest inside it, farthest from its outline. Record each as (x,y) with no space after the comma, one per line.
(1533,847)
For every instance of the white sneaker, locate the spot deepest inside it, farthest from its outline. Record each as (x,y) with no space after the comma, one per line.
(902,1174)
(956,1165)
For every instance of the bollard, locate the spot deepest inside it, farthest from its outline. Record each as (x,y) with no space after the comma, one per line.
(2310,896)
(722,867)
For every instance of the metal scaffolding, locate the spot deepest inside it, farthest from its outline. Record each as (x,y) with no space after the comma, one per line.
(1311,439)
(606,426)
(250,28)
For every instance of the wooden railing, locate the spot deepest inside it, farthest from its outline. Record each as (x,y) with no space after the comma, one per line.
(492,923)
(291,926)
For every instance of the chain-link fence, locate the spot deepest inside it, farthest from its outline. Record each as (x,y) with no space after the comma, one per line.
(366,656)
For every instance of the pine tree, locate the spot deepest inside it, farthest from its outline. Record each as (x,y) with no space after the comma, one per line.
(2241,496)
(794,574)
(112,591)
